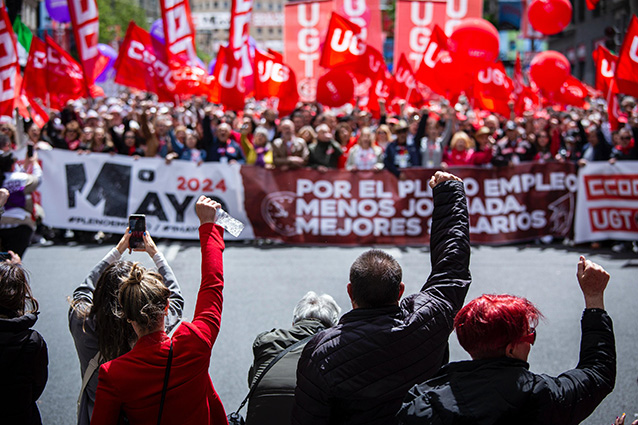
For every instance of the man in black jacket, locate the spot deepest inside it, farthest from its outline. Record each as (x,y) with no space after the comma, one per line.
(496,387)
(359,371)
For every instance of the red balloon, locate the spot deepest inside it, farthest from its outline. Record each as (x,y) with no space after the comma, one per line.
(335,88)
(549,16)
(474,41)
(549,70)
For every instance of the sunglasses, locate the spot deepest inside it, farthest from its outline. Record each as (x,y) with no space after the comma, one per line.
(531,337)
(625,138)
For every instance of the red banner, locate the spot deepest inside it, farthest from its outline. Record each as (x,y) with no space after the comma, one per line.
(306,25)
(367,15)
(8,65)
(86,28)
(416,19)
(627,67)
(339,207)
(139,67)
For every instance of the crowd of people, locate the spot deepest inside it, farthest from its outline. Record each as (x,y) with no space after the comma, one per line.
(383,362)
(439,135)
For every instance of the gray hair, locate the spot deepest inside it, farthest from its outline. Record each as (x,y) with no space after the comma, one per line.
(321,307)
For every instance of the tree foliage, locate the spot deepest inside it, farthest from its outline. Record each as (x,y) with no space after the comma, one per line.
(115,16)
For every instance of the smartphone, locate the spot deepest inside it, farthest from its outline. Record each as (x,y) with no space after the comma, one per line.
(29,150)
(137,226)
(4,256)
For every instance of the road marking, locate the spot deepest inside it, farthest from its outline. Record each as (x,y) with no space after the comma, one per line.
(172,251)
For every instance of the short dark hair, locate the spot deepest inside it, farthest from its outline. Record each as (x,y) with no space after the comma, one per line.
(376,279)
(486,325)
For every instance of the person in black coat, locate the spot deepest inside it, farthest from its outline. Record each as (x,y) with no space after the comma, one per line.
(496,387)
(359,371)
(23,352)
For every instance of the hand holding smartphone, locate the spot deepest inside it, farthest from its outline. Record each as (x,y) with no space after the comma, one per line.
(137,227)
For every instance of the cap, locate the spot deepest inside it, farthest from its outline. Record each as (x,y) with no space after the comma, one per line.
(483,131)
(510,125)
(401,126)
(91,114)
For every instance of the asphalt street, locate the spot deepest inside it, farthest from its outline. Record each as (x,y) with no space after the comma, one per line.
(263,284)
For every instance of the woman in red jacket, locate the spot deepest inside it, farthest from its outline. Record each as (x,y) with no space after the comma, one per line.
(132,384)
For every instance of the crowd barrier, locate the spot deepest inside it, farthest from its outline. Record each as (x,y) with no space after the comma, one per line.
(98,191)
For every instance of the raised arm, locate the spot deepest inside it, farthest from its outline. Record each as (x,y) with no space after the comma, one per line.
(449,240)
(175,300)
(208,310)
(579,391)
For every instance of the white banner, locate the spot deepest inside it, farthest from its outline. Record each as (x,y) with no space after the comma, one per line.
(607,204)
(99,191)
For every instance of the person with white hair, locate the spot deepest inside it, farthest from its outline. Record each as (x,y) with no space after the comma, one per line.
(270,402)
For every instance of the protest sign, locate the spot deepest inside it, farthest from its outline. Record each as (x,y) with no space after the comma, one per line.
(99,191)
(607,206)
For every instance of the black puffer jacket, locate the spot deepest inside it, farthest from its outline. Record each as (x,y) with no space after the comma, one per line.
(359,371)
(503,390)
(23,368)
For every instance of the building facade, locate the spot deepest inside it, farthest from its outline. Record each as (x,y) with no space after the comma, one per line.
(606,24)
(212,22)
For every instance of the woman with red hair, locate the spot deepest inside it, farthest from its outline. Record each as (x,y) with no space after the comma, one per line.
(496,387)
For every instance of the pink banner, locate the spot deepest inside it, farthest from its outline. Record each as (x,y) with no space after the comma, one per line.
(305,29)
(416,19)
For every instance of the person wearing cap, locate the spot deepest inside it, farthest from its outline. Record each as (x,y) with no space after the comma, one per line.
(512,149)
(496,386)
(570,151)
(483,153)
(398,154)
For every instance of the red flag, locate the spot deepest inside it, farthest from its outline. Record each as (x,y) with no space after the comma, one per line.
(65,78)
(627,67)
(425,72)
(276,55)
(381,90)
(227,87)
(34,84)
(138,66)
(572,92)
(493,88)
(613,108)
(38,114)
(275,79)
(605,68)
(371,64)
(450,79)
(86,28)
(343,44)
(406,86)
(8,65)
